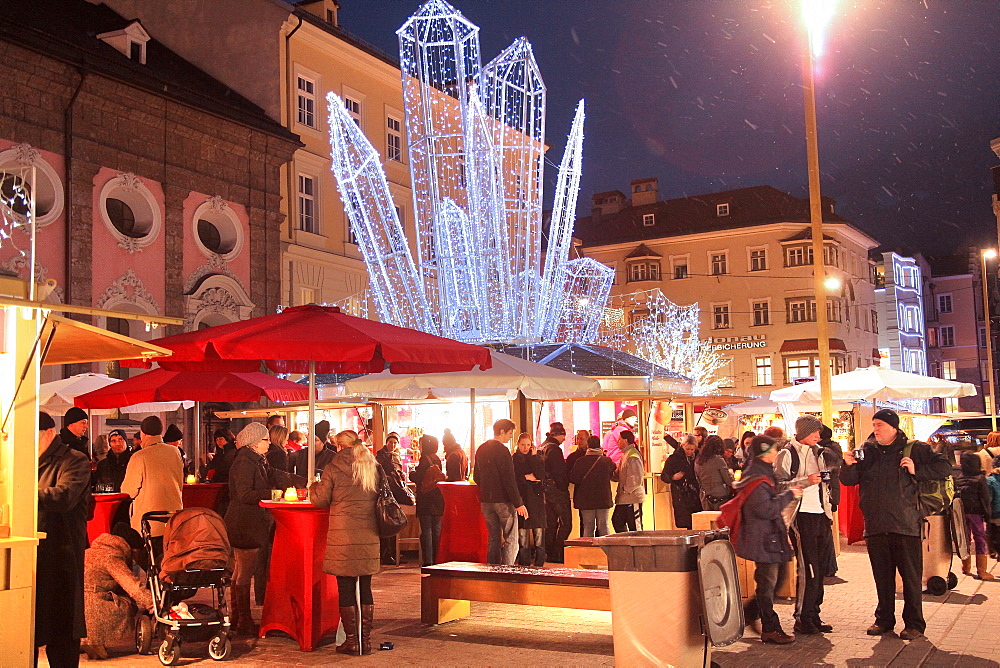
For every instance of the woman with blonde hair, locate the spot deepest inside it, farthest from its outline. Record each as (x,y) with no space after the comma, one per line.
(990,451)
(348,487)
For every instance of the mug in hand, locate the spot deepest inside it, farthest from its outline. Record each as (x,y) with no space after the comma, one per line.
(859,454)
(826,476)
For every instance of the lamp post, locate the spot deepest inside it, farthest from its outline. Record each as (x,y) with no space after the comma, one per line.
(817,14)
(985,255)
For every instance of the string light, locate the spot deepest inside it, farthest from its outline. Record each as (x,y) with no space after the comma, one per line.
(15,207)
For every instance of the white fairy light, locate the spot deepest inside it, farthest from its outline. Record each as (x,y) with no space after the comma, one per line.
(398,293)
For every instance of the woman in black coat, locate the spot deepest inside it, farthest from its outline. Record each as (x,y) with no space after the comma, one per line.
(678,472)
(763,536)
(430,502)
(591,477)
(249,525)
(529,469)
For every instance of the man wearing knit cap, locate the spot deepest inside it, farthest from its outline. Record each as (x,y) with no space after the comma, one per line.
(299,460)
(74,431)
(801,461)
(627,421)
(887,487)
(175,437)
(154,479)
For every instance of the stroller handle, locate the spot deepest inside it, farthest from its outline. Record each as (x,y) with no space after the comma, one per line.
(162,516)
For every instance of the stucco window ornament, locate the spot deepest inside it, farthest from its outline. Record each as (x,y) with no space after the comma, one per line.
(129,289)
(19,265)
(25,175)
(130,212)
(218,299)
(217,231)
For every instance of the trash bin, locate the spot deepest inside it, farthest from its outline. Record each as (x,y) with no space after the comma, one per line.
(674,595)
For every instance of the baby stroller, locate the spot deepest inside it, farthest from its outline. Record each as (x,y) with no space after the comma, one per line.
(196,555)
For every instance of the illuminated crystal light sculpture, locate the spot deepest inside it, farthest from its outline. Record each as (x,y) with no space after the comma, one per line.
(476,142)
(398,292)
(652,327)
(16,207)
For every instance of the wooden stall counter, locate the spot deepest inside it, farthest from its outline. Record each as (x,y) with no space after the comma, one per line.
(463,527)
(582,553)
(201,494)
(301,599)
(105,507)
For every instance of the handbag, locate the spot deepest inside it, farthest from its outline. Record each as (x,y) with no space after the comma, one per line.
(388,515)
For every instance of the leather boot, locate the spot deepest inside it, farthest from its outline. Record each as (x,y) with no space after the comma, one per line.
(349,617)
(367,618)
(983,567)
(967,566)
(245,625)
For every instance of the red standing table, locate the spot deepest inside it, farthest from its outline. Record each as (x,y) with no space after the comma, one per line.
(301,599)
(463,527)
(201,495)
(105,506)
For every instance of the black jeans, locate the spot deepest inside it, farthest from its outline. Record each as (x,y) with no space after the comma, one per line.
(888,553)
(349,589)
(627,517)
(559,523)
(814,545)
(765,578)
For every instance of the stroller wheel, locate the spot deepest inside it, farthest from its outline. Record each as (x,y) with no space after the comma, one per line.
(219,647)
(170,651)
(143,634)
(952,580)
(936,586)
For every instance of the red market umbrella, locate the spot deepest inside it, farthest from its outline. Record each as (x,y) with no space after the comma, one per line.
(309,338)
(317,339)
(159,384)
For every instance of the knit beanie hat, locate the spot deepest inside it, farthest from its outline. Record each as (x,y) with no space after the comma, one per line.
(45,421)
(627,413)
(172,434)
(74,414)
(251,434)
(118,432)
(889,416)
(322,430)
(805,425)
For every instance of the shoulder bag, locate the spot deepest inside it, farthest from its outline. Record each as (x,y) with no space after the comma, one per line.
(388,515)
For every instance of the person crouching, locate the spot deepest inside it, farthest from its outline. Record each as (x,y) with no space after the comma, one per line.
(763,536)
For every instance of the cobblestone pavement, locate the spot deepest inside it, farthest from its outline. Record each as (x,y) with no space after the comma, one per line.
(962,629)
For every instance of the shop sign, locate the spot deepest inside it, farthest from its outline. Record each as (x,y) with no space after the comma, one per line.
(738,342)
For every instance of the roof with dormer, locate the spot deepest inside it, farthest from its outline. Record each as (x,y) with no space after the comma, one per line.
(748,207)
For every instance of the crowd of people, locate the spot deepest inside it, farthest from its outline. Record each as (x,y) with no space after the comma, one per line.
(784,490)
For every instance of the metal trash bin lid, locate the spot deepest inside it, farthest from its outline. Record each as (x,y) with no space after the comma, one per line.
(722,607)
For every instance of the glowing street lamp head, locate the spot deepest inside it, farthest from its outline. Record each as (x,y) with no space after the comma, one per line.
(832,283)
(989,253)
(817,15)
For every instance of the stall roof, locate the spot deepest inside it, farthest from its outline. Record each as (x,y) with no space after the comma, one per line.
(67,341)
(588,360)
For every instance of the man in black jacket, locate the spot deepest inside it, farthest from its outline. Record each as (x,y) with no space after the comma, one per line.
(74,431)
(887,484)
(558,511)
(498,495)
(63,504)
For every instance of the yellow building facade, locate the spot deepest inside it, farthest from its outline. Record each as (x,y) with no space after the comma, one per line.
(321,263)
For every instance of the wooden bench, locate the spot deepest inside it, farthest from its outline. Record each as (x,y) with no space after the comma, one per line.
(582,553)
(446,590)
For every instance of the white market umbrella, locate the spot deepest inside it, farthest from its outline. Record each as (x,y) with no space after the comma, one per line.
(508,376)
(57,397)
(876,383)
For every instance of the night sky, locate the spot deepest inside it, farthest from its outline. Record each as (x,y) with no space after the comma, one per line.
(707,96)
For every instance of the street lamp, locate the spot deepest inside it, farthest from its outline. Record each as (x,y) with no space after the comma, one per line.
(817,15)
(989,254)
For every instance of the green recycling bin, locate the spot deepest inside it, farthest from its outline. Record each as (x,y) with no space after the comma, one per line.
(674,595)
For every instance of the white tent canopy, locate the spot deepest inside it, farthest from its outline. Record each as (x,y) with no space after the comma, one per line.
(875,383)
(56,397)
(507,377)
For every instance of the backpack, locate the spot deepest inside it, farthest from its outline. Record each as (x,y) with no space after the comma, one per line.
(934,497)
(432,476)
(731,512)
